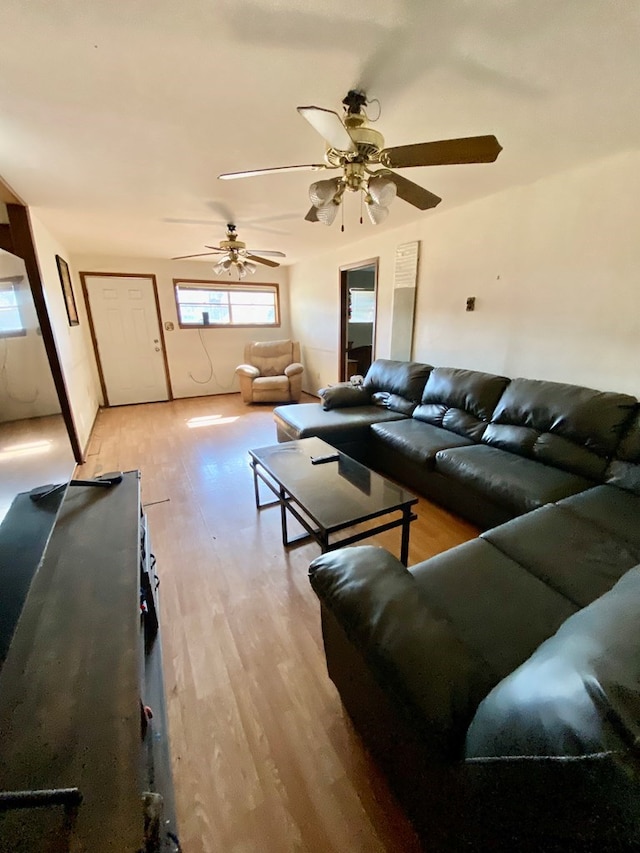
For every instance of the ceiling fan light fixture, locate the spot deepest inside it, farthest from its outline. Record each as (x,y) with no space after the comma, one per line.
(250,267)
(328,213)
(377,213)
(322,193)
(382,190)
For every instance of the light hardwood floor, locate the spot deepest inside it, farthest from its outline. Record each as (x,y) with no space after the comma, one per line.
(265,760)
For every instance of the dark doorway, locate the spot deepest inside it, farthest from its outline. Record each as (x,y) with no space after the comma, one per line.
(358,303)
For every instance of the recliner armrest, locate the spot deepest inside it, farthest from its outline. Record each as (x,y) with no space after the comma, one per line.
(412,651)
(248,370)
(293,369)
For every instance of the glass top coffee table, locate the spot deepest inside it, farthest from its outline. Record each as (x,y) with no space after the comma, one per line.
(329,497)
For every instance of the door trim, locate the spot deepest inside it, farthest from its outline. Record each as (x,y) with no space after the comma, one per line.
(344,297)
(94,340)
(24,247)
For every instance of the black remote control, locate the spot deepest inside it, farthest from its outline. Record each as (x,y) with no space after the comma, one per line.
(329,457)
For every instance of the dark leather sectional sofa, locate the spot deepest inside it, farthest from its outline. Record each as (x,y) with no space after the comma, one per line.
(497,683)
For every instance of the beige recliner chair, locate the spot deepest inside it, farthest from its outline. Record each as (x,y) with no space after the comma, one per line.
(272,372)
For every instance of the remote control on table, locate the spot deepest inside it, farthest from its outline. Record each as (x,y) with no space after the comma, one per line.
(329,457)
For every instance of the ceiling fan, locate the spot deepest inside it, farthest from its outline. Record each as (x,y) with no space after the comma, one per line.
(234,253)
(358,151)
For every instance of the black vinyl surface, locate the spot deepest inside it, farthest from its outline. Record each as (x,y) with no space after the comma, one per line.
(23,536)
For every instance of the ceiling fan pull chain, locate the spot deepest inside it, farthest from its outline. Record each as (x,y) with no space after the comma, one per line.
(342,214)
(361,219)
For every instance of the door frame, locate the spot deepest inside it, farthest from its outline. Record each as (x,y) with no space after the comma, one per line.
(20,236)
(94,339)
(344,310)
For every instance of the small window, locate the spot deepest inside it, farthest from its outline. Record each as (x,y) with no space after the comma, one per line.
(203,303)
(11,324)
(362,305)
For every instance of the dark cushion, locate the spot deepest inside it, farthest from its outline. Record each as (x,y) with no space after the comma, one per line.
(585,425)
(508,480)
(412,650)
(460,400)
(344,395)
(417,440)
(404,378)
(484,594)
(615,510)
(624,469)
(303,420)
(573,556)
(578,694)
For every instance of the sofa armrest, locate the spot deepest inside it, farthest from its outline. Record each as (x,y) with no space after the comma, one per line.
(248,370)
(412,651)
(293,369)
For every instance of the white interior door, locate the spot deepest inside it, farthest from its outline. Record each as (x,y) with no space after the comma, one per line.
(127,330)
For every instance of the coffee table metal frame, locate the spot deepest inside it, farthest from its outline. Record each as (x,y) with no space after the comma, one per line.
(315,530)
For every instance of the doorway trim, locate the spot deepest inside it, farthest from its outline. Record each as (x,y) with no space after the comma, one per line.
(344,305)
(94,339)
(24,247)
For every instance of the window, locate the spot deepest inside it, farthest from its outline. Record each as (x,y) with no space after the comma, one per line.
(203,303)
(11,324)
(362,305)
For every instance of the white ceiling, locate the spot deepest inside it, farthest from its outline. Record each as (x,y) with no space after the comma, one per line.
(117,117)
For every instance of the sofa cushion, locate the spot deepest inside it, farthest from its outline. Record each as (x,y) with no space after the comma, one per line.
(344,395)
(404,378)
(578,694)
(624,469)
(337,425)
(566,426)
(573,556)
(494,604)
(460,400)
(517,483)
(615,510)
(416,440)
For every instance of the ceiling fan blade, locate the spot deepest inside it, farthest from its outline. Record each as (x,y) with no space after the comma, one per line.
(266,252)
(330,127)
(312,215)
(446,152)
(412,193)
(252,173)
(264,261)
(199,255)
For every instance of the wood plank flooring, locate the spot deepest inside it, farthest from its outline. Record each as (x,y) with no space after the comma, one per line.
(265,760)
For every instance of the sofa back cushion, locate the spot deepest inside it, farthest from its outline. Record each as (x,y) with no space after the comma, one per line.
(624,469)
(578,694)
(460,400)
(397,385)
(566,426)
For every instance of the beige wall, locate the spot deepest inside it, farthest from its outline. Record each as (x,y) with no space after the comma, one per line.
(553,266)
(189,368)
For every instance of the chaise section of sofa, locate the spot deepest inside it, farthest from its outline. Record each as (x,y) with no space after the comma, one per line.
(391,391)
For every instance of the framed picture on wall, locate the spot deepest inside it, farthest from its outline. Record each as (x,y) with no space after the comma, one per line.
(67,291)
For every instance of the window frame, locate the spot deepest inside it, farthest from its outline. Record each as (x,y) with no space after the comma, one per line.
(207,284)
(11,283)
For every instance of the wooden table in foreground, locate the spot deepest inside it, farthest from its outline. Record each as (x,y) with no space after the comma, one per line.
(329,497)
